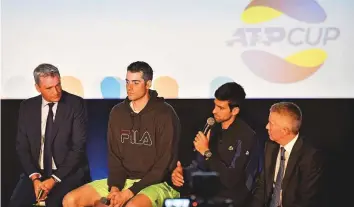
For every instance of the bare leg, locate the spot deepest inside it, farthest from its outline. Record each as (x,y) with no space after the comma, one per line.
(99,204)
(139,200)
(85,195)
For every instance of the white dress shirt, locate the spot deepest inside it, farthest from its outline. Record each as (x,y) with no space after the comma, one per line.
(45,111)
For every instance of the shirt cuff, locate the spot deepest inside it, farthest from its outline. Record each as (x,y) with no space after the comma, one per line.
(58,180)
(36,173)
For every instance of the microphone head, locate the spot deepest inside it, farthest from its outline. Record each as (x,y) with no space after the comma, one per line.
(211,121)
(105,201)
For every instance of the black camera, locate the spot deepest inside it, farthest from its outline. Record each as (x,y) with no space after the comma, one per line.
(204,184)
(204,189)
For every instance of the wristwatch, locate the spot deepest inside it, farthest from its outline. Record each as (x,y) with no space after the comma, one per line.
(207,154)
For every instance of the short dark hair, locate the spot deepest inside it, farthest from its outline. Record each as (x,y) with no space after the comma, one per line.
(290,110)
(232,92)
(143,67)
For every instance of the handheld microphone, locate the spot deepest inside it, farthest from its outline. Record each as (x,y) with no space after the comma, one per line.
(209,124)
(105,201)
(41,191)
(39,203)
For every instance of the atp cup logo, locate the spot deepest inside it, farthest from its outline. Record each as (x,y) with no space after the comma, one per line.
(297,66)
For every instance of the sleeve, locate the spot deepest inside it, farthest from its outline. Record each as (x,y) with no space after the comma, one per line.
(259,189)
(233,173)
(259,192)
(22,144)
(79,138)
(168,132)
(116,171)
(311,185)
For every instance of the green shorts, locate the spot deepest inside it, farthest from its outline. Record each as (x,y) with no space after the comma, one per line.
(156,193)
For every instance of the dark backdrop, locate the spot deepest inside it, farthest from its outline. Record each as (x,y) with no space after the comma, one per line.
(327,123)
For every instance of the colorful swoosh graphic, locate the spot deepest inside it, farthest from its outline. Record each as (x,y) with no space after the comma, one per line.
(296,67)
(259,11)
(291,69)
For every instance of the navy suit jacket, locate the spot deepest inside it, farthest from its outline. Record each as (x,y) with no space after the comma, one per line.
(69,135)
(303,180)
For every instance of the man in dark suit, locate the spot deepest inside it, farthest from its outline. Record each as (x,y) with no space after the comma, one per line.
(51,142)
(293,169)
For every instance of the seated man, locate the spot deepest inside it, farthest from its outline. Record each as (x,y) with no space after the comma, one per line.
(230,148)
(51,142)
(143,132)
(293,169)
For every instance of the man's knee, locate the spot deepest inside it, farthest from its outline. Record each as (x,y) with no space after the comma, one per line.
(70,199)
(73,197)
(132,203)
(82,196)
(23,194)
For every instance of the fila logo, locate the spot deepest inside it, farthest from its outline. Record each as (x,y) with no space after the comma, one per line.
(132,137)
